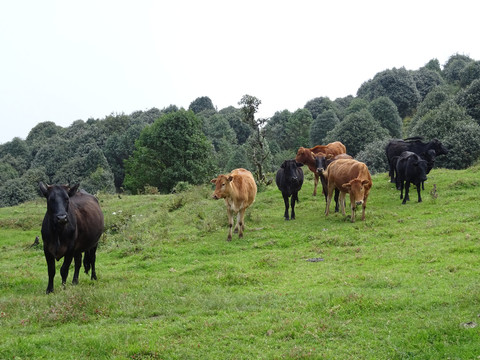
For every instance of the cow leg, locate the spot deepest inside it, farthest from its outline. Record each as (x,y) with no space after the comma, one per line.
(240,222)
(418,191)
(327,206)
(407,188)
(315,183)
(294,198)
(78,264)
(337,193)
(230,223)
(341,199)
(285,200)
(51,270)
(91,262)
(64,269)
(353,206)
(364,206)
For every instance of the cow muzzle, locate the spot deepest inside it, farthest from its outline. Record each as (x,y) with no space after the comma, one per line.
(359,202)
(214,196)
(62,219)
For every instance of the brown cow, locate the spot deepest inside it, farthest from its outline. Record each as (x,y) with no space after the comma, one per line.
(239,190)
(349,176)
(307,156)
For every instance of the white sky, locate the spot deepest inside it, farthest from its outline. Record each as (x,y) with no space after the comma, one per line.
(67,60)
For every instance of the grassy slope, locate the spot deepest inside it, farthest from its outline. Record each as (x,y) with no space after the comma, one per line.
(402,284)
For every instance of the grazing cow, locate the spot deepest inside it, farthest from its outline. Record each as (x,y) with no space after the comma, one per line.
(239,190)
(289,181)
(72,225)
(396,147)
(321,162)
(349,176)
(411,169)
(307,156)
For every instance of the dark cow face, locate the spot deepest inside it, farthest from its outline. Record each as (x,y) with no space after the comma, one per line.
(58,199)
(320,164)
(222,186)
(290,171)
(356,188)
(439,148)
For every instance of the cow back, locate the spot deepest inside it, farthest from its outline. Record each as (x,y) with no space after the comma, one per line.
(342,171)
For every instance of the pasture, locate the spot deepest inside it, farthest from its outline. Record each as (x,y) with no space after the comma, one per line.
(403,284)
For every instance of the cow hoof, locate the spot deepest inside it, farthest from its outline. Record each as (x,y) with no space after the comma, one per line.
(49,291)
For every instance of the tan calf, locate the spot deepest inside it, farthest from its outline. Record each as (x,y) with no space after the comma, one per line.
(349,176)
(239,190)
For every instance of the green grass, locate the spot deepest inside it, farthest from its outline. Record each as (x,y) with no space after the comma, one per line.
(403,284)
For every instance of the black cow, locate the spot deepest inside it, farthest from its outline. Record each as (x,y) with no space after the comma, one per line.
(411,169)
(289,181)
(396,147)
(72,225)
(321,164)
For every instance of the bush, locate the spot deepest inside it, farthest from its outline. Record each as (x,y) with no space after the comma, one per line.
(374,156)
(356,131)
(463,144)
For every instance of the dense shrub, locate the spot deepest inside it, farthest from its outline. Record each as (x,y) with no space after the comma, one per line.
(356,131)
(374,156)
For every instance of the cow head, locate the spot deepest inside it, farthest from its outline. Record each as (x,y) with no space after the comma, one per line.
(290,171)
(439,148)
(357,189)
(58,199)
(304,156)
(222,186)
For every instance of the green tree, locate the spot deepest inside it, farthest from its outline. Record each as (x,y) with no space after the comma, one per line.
(470,100)
(118,148)
(396,84)
(257,148)
(469,73)
(234,117)
(298,129)
(463,144)
(201,104)
(439,122)
(385,112)
(426,80)
(324,123)
(356,131)
(319,105)
(171,150)
(373,155)
(454,66)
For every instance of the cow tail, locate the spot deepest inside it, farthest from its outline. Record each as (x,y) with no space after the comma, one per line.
(295,197)
(87,261)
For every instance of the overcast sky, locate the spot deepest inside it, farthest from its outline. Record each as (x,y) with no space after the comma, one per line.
(62,61)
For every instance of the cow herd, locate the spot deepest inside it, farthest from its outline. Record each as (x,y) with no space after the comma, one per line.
(73,222)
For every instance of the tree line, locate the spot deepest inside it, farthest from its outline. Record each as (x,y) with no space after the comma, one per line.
(170,149)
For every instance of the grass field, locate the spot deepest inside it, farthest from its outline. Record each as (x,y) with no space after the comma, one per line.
(403,284)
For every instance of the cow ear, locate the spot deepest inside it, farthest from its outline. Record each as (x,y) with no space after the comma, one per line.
(347,186)
(283,165)
(72,191)
(213,181)
(230,178)
(43,188)
(365,182)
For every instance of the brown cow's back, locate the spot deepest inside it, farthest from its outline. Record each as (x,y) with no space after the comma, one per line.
(349,176)
(341,171)
(245,189)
